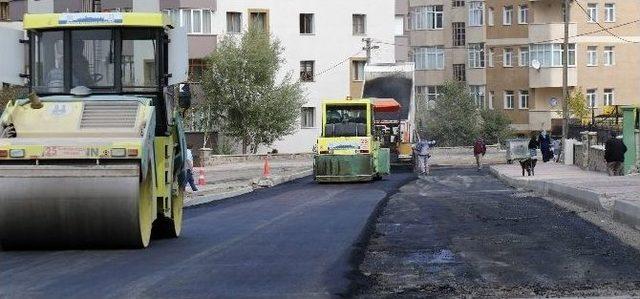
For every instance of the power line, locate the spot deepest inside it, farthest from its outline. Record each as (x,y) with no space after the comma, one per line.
(601,26)
(338,64)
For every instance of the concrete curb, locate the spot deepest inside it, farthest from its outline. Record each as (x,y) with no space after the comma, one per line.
(203,199)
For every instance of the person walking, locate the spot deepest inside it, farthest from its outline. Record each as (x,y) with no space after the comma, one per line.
(421,151)
(479,150)
(533,146)
(189,166)
(614,151)
(545,146)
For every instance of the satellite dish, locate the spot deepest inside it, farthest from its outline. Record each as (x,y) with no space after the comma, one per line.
(535,64)
(553,102)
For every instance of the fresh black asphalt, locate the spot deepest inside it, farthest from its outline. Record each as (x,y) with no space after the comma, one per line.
(293,240)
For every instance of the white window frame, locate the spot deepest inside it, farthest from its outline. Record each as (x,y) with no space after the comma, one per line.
(609,12)
(523,97)
(507,15)
(476,13)
(523,57)
(476,55)
(609,56)
(492,96)
(553,52)
(592,9)
(609,98)
(426,17)
(490,58)
(305,124)
(523,14)
(185,13)
(422,56)
(592,98)
(507,57)
(490,16)
(478,94)
(592,56)
(358,70)
(509,100)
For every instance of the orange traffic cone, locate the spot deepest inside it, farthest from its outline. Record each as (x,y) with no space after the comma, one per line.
(201,179)
(266,170)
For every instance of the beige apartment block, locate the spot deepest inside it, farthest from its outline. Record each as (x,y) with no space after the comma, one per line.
(606,68)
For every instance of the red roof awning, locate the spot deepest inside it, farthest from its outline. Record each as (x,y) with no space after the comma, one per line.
(386,105)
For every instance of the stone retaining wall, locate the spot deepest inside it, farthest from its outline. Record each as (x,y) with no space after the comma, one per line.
(207,159)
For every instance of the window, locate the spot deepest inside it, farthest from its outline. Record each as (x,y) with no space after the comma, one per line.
(490,57)
(523,59)
(196,69)
(490,16)
(609,56)
(508,99)
(476,13)
(306,23)
(427,17)
(196,21)
(609,97)
(308,119)
(234,22)
(592,8)
(523,12)
(429,58)
(458,3)
(492,96)
(524,99)
(306,70)
(609,12)
(429,94)
(358,70)
(139,54)
(550,55)
(477,91)
(507,15)
(507,57)
(459,72)
(399,28)
(259,19)
(4,11)
(591,98)
(592,56)
(459,38)
(476,55)
(359,24)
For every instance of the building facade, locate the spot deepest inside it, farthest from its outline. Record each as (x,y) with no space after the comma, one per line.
(513,53)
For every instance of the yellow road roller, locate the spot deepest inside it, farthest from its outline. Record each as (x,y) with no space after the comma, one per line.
(94,156)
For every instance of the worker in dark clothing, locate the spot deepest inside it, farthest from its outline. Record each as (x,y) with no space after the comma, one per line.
(533,145)
(614,155)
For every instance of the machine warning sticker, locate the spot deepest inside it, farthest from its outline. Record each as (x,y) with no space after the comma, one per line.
(59,110)
(70,152)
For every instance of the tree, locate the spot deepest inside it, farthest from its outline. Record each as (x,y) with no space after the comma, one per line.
(9,93)
(578,104)
(454,119)
(242,94)
(496,126)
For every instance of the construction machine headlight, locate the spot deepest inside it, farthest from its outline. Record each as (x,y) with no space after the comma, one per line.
(16,153)
(118,152)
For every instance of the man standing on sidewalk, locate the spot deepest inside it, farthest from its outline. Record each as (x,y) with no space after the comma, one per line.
(479,150)
(614,155)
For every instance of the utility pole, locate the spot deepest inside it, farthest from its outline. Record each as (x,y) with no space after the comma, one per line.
(368,47)
(565,75)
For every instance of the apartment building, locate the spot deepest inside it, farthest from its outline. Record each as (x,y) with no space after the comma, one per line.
(527,81)
(510,53)
(446,40)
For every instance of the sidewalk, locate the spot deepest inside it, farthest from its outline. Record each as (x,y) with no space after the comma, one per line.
(617,197)
(229,180)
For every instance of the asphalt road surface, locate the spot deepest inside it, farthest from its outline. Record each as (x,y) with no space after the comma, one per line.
(462,233)
(293,240)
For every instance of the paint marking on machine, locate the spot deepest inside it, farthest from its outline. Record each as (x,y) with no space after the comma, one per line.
(70,152)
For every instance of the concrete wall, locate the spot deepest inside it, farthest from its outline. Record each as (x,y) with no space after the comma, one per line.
(332,42)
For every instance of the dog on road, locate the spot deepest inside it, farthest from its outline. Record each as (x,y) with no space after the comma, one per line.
(529,166)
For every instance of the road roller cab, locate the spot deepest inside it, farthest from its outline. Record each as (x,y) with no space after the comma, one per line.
(94,156)
(348,150)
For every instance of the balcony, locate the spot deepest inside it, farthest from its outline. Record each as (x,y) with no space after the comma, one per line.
(550,31)
(551,77)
